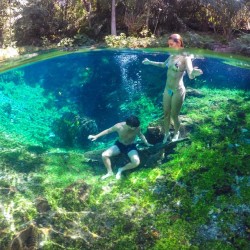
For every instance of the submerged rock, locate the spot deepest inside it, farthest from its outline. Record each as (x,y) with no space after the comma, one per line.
(194,92)
(155,134)
(26,239)
(76,195)
(42,205)
(73,129)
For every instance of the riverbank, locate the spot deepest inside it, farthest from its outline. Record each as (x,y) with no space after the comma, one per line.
(239,45)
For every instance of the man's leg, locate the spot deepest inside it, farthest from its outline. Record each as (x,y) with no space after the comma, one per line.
(112,151)
(135,161)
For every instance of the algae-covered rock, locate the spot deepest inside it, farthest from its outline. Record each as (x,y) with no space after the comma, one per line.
(42,205)
(26,239)
(73,129)
(75,196)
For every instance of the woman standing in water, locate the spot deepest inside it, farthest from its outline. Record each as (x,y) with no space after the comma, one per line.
(174,93)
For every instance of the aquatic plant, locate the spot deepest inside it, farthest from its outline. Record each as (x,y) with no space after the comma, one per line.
(73,130)
(144,108)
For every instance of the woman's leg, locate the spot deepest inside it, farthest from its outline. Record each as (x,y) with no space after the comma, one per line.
(176,104)
(167,112)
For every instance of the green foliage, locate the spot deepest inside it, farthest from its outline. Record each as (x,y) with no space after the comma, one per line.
(241,44)
(177,236)
(129,42)
(66,42)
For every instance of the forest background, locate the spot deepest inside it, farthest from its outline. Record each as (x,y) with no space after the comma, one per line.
(29,24)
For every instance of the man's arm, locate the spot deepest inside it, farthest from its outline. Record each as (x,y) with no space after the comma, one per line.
(157,64)
(143,138)
(104,132)
(192,72)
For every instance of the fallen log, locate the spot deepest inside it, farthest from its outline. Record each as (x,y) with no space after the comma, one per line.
(149,156)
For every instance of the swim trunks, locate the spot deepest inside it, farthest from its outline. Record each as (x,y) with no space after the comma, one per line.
(125,148)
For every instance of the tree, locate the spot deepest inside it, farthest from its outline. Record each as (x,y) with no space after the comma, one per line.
(3,19)
(9,9)
(37,20)
(113,19)
(224,14)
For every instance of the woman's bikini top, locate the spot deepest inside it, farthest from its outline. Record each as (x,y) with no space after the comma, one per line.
(174,64)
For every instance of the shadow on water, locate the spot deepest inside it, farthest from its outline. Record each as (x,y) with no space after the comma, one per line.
(70,96)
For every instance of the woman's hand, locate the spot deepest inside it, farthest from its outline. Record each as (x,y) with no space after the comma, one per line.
(92,137)
(146,61)
(196,72)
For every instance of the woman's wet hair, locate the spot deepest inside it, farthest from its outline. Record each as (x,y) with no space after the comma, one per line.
(133,121)
(177,38)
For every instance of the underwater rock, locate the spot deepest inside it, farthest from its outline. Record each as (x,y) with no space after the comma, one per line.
(42,205)
(7,108)
(76,195)
(241,115)
(26,239)
(187,125)
(155,131)
(36,149)
(146,237)
(224,189)
(74,129)
(194,92)
(154,134)
(233,101)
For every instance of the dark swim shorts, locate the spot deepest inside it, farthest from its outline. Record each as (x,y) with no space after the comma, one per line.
(125,148)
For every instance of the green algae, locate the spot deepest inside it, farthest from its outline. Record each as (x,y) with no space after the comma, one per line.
(144,108)
(162,216)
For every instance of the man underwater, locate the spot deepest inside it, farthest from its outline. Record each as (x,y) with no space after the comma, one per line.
(127,133)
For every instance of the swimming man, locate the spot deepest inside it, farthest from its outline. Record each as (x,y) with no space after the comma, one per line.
(127,133)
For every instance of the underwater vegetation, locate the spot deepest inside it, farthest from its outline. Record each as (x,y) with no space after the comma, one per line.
(51,196)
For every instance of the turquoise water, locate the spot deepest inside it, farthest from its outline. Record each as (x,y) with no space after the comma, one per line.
(51,195)
(59,101)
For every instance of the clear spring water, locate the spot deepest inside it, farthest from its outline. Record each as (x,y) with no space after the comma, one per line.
(100,85)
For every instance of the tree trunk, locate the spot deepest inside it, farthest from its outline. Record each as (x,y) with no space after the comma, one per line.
(88,7)
(147,18)
(149,156)
(113,19)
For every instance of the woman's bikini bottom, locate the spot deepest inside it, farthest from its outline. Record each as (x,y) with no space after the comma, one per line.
(171,92)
